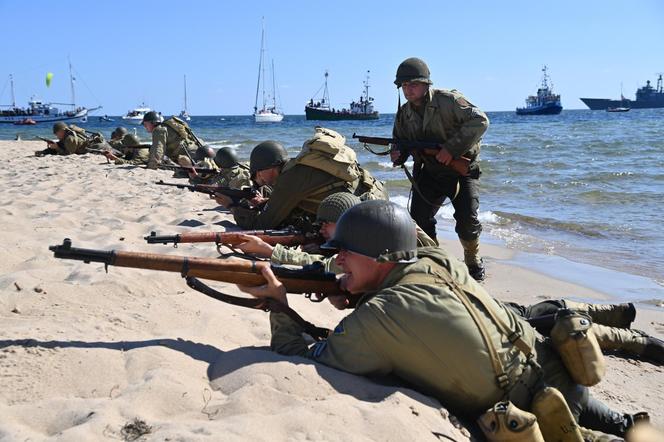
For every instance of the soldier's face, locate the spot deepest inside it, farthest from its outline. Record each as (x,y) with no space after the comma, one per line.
(414,91)
(267,176)
(327,230)
(60,134)
(361,273)
(148,126)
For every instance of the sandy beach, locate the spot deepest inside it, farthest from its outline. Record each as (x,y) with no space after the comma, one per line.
(83,353)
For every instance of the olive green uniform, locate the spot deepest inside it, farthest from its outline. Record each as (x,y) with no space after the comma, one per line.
(415,327)
(450,119)
(76,141)
(167,142)
(235,177)
(134,156)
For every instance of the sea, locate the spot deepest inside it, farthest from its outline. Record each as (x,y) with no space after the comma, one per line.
(581,192)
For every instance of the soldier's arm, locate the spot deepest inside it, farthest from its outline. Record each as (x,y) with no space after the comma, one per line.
(474,123)
(352,346)
(287,255)
(157,149)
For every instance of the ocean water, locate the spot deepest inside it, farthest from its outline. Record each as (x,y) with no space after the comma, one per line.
(584,185)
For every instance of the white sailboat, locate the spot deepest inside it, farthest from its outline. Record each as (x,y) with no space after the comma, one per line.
(184,115)
(266,113)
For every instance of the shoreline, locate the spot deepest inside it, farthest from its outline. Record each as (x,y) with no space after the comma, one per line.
(85,352)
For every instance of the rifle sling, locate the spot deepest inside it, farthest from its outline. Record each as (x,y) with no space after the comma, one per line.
(417,188)
(265,304)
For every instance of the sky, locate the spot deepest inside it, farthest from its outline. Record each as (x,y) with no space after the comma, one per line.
(127,52)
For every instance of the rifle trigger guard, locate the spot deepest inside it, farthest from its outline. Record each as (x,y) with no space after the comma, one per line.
(315,297)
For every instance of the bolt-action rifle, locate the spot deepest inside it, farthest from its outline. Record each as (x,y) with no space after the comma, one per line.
(286,237)
(234,194)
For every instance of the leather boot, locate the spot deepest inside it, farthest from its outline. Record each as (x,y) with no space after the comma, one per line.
(612,315)
(471,256)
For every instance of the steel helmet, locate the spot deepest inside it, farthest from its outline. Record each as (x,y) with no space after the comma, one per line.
(119,132)
(333,206)
(378,229)
(412,69)
(152,117)
(226,158)
(204,151)
(267,154)
(57,127)
(130,140)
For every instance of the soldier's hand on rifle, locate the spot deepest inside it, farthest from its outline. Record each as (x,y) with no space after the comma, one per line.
(254,245)
(257,201)
(444,156)
(109,155)
(52,144)
(340,302)
(273,289)
(395,155)
(223,200)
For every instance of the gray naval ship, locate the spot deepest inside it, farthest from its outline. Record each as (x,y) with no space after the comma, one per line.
(647,97)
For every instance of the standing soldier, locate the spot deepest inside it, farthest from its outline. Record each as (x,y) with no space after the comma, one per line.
(170,138)
(446,117)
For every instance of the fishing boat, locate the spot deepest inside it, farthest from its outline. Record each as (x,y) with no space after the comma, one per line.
(622,107)
(545,102)
(42,112)
(320,109)
(618,109)
(135,116)
(184,115)
(266,113)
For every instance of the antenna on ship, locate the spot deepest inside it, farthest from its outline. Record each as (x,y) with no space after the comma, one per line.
(659,82)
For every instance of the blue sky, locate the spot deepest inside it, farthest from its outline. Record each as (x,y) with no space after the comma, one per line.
(127,52)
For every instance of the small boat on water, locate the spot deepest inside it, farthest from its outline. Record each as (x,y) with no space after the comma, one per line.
(184,115)
(42,112)
(266,113)
(545,102)
(359,110)
(105,118)
(135,116)
(25,122)
(618,109)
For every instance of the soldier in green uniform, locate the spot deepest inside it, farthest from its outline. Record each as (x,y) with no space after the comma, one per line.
(421,317)
(324,166)
(72,140)
(116,138)
(170,138)
(232,172)
(130,156)
(446,117)
(203,158)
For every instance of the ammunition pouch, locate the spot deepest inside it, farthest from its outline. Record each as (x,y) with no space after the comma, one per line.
(506,423)
(575,342)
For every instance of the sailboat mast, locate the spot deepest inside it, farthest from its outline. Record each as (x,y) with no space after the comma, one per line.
(185,93)
(260,65)
(11,81)
(71,80)
(274,89)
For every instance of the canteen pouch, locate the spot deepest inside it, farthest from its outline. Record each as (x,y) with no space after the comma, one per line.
(504,422)
(554,417)
(575,342)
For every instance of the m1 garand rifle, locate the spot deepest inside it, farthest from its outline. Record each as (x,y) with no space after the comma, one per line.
(311,281)
(289,237)
(459,165)
(234,194)
(49,142)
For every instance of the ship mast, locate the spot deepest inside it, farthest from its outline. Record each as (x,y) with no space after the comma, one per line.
(71,80)
(326,94)
(260,67)
(185,94)
(366,88)
(11,81)
(659,83)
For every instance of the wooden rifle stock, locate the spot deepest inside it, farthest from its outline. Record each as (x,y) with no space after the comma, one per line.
(306,280)
(459,165)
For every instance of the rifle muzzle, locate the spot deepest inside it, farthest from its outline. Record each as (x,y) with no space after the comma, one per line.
(153,238)
(66,251)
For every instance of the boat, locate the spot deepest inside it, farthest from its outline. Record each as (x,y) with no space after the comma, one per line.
(135,116)
(42,112)
(647,97)
(184,115)
(105,118)
(618,109)
(358,110)
(25,122)
(266,113)
(545,102)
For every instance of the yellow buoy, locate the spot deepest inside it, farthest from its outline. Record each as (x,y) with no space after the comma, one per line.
(49,77)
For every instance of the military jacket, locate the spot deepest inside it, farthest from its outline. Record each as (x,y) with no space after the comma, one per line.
(415,327)
(134,156)
(235,177)
(73,143)
(449,119)
(297,193)
(166,141)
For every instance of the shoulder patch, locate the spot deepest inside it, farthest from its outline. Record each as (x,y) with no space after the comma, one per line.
(339,329)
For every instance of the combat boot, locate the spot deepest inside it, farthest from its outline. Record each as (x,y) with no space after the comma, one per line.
(633,342)
(471,256)
(612,315)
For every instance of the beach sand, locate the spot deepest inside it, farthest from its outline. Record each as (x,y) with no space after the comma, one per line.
(83,353)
